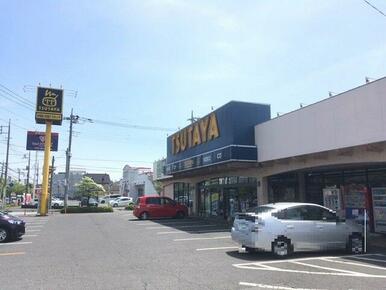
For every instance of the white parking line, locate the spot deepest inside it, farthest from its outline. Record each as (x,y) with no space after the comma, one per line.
(172,232)
(28,231)
(12,254)
(181,227)
(326,268)
(198,239)
(369,259)
(28,226)
(218,248)
(273,286)
(35,224)
(29,236)
(267,266)
(353,264)
(15,243)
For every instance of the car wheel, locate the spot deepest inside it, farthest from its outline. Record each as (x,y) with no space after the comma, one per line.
(144,216)
(180,215)
(355,244)
(250,250)
(115,205)
(3,235)
(56,205)
(281,247)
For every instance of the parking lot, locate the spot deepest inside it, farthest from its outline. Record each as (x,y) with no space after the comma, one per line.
(117,251)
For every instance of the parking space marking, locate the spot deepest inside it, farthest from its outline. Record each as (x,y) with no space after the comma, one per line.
(28,226)
(326,268)
(181,227)
(28,231)
(369,259)
(29,236)
(268,266)
(273,286)
(198,239)
(171,232)
(35,224)
(15,243)
(12,254)
(353,264)
(218,248)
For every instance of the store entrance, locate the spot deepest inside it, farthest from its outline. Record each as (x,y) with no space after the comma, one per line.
(230,203)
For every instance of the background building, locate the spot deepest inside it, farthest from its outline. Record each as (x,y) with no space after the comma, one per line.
(58,183)
(137,181)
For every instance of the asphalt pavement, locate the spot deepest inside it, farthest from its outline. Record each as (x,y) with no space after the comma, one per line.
(117,251)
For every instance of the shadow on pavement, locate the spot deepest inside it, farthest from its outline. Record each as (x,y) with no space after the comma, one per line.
(191,225)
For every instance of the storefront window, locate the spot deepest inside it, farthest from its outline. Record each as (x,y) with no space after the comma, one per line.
(227,196)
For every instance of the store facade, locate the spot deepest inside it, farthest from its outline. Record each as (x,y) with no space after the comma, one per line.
(331,153)
(212,162)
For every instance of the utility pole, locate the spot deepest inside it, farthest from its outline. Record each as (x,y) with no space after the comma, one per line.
(52,177)
(73,119)
(4,189)
(28,168)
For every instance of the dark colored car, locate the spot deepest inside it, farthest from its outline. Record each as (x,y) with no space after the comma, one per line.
(91,202)
(154,206)
(11,227)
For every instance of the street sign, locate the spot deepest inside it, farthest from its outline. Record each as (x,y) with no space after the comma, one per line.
(49,106)
(35,141)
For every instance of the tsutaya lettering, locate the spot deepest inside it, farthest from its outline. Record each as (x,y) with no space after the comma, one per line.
(204,130)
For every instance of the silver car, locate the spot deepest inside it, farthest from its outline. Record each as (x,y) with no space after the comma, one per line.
(283,228)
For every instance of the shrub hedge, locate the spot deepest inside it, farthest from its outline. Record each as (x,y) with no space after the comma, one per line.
(129,207)
(77,209)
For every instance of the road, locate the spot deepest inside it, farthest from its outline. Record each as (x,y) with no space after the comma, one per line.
(116,251)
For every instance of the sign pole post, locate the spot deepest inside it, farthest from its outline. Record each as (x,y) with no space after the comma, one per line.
(47,150)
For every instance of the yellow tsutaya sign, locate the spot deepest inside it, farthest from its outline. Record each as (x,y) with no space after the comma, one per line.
(204,130)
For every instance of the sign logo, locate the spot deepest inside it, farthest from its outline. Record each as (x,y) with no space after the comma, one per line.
(36,141)
(202,131)
(49,106)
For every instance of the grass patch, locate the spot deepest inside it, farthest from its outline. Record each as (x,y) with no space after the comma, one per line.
(93,209)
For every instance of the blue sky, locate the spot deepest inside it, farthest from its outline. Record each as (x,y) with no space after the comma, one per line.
(151,62)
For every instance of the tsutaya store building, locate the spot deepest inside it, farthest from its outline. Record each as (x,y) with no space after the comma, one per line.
(332,153)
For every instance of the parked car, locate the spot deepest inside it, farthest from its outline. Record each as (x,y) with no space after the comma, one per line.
(32,204)
(57,203)
(284,228)
(91,202)
(108,198)
(121,201)
(154,206)
(11,227)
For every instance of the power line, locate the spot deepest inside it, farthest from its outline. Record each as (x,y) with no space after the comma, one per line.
(123,125)
(10,98)
(18,96)
(375,8)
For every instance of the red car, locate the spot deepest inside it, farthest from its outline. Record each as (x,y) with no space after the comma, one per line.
(154,206)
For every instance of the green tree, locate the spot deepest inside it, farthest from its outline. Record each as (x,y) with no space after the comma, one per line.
(17,187)
(88,188)
(158,186)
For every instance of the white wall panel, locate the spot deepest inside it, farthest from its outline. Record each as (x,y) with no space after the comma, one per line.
(353,118)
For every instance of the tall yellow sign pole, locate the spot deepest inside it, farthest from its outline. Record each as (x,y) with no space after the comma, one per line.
(46,167)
